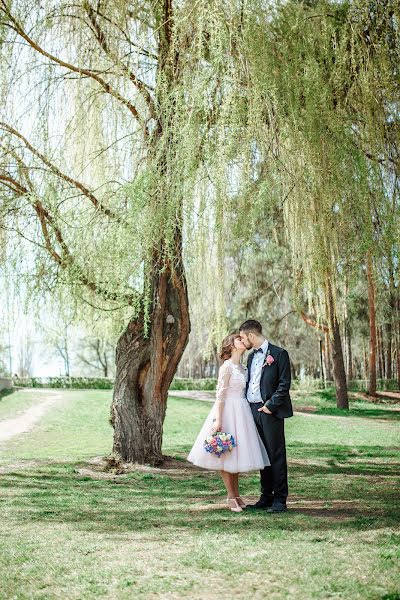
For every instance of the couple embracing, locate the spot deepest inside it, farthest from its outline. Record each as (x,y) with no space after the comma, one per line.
(251,404)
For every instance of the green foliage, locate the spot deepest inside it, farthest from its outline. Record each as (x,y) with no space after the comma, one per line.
(76,383)
(384,385)
(181,383)
(236,124)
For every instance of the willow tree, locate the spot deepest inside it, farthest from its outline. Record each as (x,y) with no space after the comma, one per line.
(113,112)
(320,64)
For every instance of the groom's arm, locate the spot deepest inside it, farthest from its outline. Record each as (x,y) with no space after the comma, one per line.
(284,380)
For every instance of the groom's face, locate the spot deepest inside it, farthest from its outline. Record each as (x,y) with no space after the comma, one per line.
(246,339)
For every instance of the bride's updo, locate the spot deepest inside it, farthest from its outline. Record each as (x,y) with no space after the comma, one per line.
(228,345)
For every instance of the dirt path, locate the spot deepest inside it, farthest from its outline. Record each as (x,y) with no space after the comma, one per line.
(23,423)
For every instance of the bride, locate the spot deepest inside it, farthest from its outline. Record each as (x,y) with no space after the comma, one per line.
(231,414)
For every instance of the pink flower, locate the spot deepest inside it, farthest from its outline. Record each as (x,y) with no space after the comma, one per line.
(269,360)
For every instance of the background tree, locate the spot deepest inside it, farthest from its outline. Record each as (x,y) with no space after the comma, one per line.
(97,354)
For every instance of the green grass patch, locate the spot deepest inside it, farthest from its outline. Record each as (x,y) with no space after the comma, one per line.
(166,533)
(323,402)
(15,402)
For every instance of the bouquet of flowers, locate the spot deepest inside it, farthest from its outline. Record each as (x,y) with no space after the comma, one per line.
(219,442)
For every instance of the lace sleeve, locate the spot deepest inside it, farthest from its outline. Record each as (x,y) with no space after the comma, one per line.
(223,381)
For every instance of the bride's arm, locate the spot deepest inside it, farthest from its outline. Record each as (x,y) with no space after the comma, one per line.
(222,387)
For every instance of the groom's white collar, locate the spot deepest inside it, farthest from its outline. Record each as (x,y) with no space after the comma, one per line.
(263,347)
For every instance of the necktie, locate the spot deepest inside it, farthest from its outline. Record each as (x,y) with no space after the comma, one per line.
(259,350)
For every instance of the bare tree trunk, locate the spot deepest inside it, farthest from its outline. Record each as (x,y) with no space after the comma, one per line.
(349,353)
(389,324)
(389,333)
(365,361)
(372,329)
(347,336)
(381,355)
(328,357)
(339,371)
(321,360)
(398,342)
(293,369)
(145,368)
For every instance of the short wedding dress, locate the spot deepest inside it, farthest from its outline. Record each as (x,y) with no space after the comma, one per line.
(250,453)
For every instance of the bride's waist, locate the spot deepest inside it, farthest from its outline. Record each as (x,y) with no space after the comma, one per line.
(236,397)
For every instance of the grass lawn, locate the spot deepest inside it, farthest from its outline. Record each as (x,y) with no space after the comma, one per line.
(13,404)
(71,532)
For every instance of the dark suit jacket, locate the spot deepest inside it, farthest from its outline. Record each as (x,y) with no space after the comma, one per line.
(275,382)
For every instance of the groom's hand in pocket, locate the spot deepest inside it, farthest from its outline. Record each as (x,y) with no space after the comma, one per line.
(265,409)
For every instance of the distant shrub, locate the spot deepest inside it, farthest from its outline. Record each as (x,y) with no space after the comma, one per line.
(71,383)
(181,383)
(383,385)
(309,383)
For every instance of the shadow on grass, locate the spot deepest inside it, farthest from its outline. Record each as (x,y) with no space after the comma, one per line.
(365,413)
(6,392)
(323,402)
(324,497)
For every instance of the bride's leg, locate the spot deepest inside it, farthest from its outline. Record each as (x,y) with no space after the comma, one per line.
(229,483)
(241,502)
(228,479)
(235,478)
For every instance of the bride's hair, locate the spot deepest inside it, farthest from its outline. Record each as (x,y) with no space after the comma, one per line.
(228,345)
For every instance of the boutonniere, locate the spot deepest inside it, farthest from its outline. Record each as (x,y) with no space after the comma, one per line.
(269,359)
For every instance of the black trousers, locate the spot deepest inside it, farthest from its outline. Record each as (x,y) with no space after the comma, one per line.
(274,484)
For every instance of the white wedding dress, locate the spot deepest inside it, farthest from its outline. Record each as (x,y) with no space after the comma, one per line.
(250,453)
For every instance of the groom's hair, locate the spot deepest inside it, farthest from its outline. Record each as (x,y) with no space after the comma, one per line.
(251,325)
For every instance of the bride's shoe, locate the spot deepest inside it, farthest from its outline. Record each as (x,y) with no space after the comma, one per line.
(233,505)
(241,502)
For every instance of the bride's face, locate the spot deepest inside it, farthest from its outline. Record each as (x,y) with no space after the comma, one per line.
(246,340)
(237,342)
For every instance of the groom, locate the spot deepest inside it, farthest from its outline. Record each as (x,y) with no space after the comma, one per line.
(267,392)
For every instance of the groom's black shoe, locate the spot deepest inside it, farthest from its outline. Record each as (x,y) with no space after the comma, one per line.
(277,507)
(261,504)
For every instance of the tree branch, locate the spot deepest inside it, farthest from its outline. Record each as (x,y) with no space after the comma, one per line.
(80,186)
(65,259)
(82,71)
(313,323)
(102,40)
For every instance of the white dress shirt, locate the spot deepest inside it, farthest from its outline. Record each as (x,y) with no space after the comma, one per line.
(253,391)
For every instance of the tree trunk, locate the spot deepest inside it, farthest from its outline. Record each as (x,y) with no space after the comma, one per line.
(381,354)
(372,329)
(389,325)
(321,360)
(349,353)
(389,333)
(293,369)
(397,337)
(365,361)
(328,357)
(339,371)
(347,335)
(145,368)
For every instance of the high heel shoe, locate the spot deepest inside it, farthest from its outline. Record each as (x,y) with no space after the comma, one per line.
(240,501)
(233,505)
